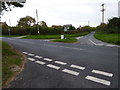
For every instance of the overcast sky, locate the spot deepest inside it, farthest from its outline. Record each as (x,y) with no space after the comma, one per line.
(61,12)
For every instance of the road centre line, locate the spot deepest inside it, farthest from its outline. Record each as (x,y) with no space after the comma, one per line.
(92,42)
(65,47)
(47,59)
(70,72)
(38,57)
(100,44)
(102,73)
(31,59)
(53,66)
(73,48)
(40,62)
(78,67)
(98,80)
(59,62)
(110,45)
(31,54)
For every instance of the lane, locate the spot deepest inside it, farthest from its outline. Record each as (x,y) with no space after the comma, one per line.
(90,40)
(90,57)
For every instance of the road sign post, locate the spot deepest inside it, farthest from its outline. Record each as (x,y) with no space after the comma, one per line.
(62,36)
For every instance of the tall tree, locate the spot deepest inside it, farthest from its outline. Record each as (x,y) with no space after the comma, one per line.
(26,21)
(6,6)
(43,24)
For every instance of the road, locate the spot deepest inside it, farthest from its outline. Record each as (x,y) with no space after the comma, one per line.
(86,64)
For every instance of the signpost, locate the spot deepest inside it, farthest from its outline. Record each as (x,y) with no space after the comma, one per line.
(66,27)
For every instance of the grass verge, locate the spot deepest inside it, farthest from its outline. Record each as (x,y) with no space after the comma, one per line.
(54,36)
(68,40)
(77,35)
(42,37)
(12,62)
(109,38)
(9,36)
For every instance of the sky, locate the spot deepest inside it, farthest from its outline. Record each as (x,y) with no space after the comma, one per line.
(62,12)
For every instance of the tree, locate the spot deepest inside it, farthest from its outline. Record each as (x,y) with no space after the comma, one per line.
(43,24)
(114,22)
(26,21)
(6,6)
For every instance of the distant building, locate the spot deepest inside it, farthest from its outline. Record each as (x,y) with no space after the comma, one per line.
(119,9)
(67,26)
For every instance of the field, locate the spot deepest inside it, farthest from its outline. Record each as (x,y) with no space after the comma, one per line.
(68,40)
(109,38)
(54,36)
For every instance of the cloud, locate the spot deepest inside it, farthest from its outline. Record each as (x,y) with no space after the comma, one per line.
(76,12)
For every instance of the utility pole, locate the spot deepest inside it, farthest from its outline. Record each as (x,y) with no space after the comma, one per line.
(88,23)
(9,26)
(119,9)
(37,21)
(103,10)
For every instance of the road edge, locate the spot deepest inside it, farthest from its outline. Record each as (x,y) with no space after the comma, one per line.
(24,61)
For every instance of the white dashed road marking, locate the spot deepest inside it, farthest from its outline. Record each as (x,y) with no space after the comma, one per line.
(47,59)
(65,47)
(79,37)
(100,44)
(38,57)
(59,62)
(111,45)
(31,59)
(53,66)
(40,62)
(25,52)
(78,67)
(102,73)
(71,72)
(92,42)
(98,80)
(91,78)
(31,54)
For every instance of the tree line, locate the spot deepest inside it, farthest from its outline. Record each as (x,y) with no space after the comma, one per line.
(27,26)
(113,26)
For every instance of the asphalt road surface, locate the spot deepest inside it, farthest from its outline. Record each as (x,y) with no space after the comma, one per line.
(87,64)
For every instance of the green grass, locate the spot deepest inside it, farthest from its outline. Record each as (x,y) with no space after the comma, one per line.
(9,35)
(42,37)
(10,57)
(68,40)
(77,35)
(109,38)
(54,36)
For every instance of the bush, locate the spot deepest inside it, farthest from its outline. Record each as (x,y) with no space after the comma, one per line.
(5,30)
(33,30)
(88,29)
(113,26)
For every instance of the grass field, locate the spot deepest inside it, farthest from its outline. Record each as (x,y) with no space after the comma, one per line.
(110,38)
(10,59)
(54,36)
(68,40)
(42,37)
(9,36)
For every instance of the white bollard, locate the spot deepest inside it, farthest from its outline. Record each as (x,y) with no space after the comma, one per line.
(62,36)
